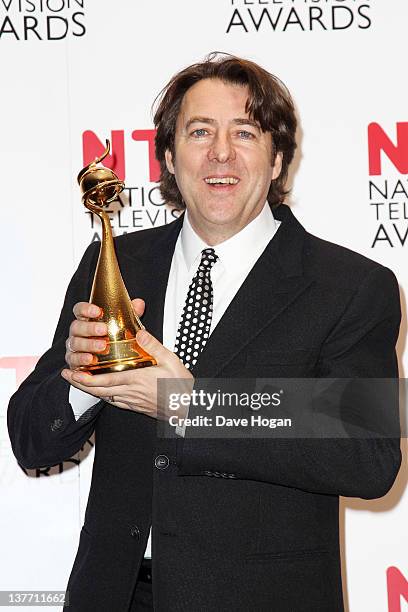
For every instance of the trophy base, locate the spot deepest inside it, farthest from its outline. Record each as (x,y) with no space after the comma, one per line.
(120,356)
(117,366)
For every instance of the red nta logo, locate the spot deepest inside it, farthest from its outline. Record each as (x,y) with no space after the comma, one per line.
(379,141)
(397,587)
(93,147)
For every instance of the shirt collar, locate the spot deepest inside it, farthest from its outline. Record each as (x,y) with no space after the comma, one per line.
(230,251)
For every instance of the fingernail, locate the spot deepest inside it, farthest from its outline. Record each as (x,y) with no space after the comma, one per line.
(95,311)
(100,345)
(101,328)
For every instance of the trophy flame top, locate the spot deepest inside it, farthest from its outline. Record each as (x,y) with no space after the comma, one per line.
(99,185)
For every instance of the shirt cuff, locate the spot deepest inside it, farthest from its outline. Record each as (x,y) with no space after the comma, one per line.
(80,401)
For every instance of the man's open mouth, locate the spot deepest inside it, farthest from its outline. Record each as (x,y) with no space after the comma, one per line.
(221,180)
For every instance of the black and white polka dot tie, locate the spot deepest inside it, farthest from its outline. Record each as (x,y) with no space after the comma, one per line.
(195,323)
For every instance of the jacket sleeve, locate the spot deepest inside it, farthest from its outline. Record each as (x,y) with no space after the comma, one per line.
(41,424)
(360,345)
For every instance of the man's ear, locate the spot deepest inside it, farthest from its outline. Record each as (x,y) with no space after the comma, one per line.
(277,165)
(169,161)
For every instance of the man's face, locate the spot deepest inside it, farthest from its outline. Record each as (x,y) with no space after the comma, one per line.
(223,160)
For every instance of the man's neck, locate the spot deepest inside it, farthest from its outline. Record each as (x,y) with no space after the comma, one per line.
(213,234)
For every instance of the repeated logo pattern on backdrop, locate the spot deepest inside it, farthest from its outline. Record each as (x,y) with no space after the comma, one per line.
(139,206)
(298,15)
(46,20)
(388,185)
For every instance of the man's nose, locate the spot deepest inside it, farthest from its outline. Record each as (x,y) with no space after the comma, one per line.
(222,149)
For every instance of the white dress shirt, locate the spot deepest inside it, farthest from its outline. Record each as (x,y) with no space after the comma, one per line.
(236,257)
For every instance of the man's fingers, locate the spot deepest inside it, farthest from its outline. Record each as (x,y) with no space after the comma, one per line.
(85,310)
(105,383)
(75,344)
(138,306)
(68,375)
(80,359)
(87,329)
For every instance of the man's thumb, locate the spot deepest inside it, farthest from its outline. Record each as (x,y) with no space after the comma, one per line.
(149,343)
(138,306)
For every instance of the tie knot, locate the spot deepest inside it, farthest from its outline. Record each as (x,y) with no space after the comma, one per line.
(208,259)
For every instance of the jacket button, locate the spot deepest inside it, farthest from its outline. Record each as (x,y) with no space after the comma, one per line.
(57,424)
(135,532)
(161,462)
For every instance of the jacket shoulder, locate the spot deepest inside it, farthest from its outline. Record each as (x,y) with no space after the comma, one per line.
(340,262)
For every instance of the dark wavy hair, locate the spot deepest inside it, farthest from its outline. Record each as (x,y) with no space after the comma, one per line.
(269,103)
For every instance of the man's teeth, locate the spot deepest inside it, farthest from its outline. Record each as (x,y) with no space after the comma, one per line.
(228,180)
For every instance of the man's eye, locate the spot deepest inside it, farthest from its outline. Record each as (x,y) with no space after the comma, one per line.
(199,132)
(245,135)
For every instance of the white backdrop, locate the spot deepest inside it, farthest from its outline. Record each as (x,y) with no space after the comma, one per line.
(76,72)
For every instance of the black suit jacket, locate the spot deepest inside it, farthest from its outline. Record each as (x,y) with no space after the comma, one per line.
(236,524)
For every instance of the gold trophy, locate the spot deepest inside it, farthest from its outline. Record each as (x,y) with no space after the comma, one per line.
(99,187)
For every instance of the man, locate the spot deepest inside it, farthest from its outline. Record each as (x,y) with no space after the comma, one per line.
(236,288)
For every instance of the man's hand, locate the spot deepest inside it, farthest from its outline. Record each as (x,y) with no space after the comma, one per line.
(87,336)
(132,389)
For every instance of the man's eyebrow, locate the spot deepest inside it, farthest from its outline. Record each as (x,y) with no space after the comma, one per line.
(236,121)
(199,120)
(246,121)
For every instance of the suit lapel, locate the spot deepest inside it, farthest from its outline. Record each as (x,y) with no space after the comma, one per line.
(275,281)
